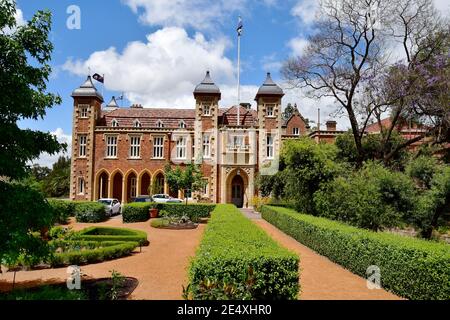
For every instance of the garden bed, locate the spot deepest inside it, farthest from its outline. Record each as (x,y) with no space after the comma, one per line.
(113,234)
(237,260)
(172,224)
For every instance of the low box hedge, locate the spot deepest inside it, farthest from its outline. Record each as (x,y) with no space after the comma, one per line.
(113,234)
(90,212)
(136,212)
(62,209)
(238,260)
(411,268)
(86,252)
(139,212)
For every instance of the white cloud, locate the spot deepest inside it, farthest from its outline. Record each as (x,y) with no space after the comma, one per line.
(306,11)
(162,72)
(48,160)
(199,14)
(271,63)
(20,21)
(298,46)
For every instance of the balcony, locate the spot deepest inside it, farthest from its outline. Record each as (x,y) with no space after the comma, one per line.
(238,148)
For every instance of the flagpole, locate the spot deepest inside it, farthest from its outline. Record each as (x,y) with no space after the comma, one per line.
(239,80)
(103,87)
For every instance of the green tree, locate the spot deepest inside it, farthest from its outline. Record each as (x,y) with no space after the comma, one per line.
(188,180)
(434,204)
(24,59)
(372,198)
(57,182)
(308,165)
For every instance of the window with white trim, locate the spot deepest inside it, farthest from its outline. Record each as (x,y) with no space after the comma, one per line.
(296,131)
(182,125)
(181,148)
(205,188)
(84,109)
(160,124)
(111,146)
(137,124)
(206,109)
(82,143)
(114,123)
(206,146)
(135,147)
(269,146)
(270,110)
(158,147)
(81,185)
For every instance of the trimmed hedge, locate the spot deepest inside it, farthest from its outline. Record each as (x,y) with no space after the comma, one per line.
(238,260)
(136,212)
(411,268)
(63,209)
(91,251)
(139,212)
(90,212)
(113,234)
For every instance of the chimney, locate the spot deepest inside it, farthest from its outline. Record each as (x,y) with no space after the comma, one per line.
(331,125)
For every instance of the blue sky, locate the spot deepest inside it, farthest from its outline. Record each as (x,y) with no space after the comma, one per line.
(156,51)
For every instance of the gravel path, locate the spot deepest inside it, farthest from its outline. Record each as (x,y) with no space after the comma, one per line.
(322,279)
(161,268)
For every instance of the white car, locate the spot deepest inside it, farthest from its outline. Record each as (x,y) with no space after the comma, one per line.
(165,198)
(112,206)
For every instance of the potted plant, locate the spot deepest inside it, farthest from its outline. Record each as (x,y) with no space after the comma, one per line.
(153,212)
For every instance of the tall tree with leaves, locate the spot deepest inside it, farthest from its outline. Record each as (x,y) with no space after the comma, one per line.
(349,59)
(189,179)
(24,71)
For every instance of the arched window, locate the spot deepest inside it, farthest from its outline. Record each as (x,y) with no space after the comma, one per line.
(114,123)
(137,124)
(182,125)
(159,124)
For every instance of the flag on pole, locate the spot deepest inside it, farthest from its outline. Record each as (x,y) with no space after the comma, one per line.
(120,97)
(99,78)
(240,27)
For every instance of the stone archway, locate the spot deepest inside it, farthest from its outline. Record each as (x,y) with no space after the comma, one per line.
(102,185)
(117,185)
(237,188)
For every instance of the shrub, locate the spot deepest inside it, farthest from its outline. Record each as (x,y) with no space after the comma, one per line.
(238,260)
(159,223)
(194,211)
(411,268)
(62,210)
(422,170)
(86,252)
(308,165)
(434,204)
(112,234)
(258,202)
(371,198)
(90,212)
(45,293)
(136,212)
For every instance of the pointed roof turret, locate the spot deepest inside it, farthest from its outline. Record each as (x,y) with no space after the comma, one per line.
(112,105)
(207,86)
(87,89)
(269,88)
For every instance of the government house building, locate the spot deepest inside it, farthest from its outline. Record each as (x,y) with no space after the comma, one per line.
(121,153)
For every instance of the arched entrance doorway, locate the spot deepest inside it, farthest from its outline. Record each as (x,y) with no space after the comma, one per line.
(237,191)
(145,184)
(102,191)
(236,188)
(117,186)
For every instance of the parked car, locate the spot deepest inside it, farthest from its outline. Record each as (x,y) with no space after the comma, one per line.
(142,199)
(112,206)
(165,198)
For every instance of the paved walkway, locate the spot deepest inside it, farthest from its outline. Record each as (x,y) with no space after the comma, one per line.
(251,214)
(322,279)
(161,267)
